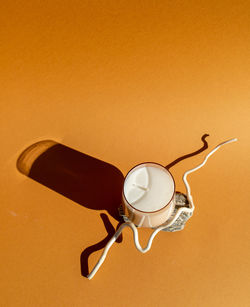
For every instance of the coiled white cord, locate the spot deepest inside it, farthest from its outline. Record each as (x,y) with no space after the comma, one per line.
(159,228)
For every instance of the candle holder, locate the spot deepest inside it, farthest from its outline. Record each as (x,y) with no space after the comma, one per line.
(180,201)
(161,210)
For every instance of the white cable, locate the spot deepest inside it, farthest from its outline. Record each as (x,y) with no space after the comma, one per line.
(189,196)
(159,228)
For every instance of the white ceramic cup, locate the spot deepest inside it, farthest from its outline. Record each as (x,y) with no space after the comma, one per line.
(148,194)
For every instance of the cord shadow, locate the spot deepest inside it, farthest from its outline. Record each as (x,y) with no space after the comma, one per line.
(100,245)
(204,147)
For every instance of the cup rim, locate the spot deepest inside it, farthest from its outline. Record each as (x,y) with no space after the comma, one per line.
(158,165)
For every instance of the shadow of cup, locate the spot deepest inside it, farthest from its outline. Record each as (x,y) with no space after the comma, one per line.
(87,181)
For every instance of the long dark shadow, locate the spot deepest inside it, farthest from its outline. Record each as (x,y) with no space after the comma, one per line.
(204,147)
(88,181)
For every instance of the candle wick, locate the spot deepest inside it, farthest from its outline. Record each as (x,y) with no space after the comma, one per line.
(140,187)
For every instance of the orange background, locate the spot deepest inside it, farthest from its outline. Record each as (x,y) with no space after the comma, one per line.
(126,82)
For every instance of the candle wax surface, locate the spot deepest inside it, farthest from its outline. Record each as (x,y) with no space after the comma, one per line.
(149,188)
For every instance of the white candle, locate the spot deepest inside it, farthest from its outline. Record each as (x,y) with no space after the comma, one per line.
(148,194)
